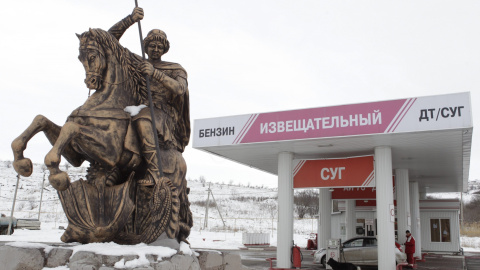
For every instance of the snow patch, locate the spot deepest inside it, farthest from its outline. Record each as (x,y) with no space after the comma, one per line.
(26,245)
(185,249)
(114,249)
(134,110)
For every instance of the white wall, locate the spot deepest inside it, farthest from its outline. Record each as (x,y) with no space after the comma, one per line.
(337,219)
(426,215)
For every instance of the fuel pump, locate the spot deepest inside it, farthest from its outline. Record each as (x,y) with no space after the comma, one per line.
(369,227)
(333,250)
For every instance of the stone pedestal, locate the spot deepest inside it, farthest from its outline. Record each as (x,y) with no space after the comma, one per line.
(36,258)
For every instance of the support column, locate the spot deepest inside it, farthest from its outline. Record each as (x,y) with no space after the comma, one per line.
(324,217)
(385,227)
(416,225)
(403,203)
(350,218)
(285,209)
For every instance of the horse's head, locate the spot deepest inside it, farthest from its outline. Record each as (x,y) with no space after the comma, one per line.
(93,59)
(110,67)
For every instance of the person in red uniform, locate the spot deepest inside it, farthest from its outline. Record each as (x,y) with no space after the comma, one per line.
(409,247)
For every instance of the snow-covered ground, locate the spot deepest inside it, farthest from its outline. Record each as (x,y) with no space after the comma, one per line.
(49,234)
(242,208)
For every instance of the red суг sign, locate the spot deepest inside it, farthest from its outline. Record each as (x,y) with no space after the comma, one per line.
(346,172)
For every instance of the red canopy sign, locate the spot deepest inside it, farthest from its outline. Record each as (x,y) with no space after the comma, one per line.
(354,193)
(357,192)
(346,172)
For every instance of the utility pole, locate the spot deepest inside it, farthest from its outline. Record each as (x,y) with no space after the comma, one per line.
(205,225)
(207,206)
(9,231)
(216,205)
(41,195)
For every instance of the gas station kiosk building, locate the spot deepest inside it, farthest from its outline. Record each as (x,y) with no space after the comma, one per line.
(421,144)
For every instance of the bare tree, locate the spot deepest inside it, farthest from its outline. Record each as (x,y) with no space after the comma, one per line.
(470,210)
(202,180)
(271,207)
(306,203)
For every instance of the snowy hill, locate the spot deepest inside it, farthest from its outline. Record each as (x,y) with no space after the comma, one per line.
(472,192)
(474,186)
(242,208)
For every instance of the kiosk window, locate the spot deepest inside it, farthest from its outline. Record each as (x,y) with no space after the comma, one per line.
(440,230)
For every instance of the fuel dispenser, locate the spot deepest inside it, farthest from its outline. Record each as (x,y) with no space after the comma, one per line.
(369,227)
(334,247)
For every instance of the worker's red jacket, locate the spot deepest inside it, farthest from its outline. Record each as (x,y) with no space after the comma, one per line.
(410,245)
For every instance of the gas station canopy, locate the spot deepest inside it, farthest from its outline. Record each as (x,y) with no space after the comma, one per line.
(430,136)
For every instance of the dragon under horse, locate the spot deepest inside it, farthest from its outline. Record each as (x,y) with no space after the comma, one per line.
(108,205)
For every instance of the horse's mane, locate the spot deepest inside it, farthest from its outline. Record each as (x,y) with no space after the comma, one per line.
(130,62)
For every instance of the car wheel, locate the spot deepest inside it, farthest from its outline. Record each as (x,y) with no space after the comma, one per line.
(323,261)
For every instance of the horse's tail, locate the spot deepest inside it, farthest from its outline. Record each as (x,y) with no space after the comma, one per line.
(165,206)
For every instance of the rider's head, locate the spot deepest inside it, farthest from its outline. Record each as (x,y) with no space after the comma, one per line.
(156,44)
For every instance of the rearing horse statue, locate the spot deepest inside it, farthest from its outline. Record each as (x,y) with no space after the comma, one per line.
(109,205)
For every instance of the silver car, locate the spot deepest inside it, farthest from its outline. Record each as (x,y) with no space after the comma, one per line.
(359,250)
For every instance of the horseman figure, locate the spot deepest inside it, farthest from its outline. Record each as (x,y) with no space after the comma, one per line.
(169,89)
(127,197)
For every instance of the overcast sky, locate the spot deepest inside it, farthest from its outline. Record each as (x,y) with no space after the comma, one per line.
(244,57)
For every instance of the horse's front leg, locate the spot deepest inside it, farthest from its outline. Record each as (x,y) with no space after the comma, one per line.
(22,165)
(58,178)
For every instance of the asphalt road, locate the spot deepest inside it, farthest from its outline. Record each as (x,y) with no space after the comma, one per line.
(256,258)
